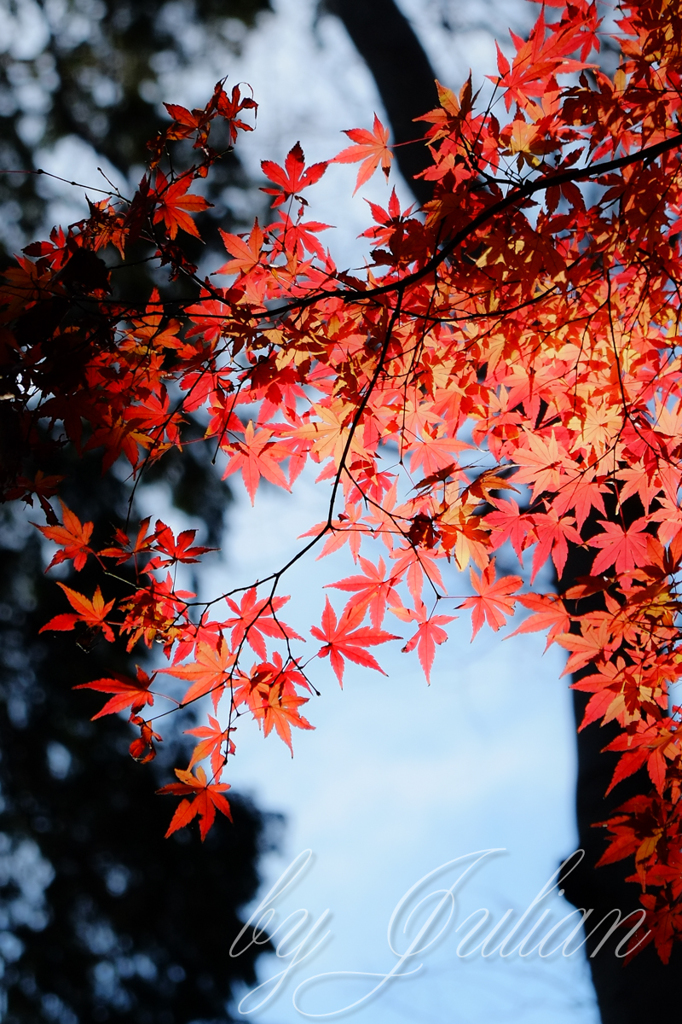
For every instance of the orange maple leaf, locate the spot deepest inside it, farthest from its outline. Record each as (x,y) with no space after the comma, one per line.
(280,709)
(246,253)
(207,673)
(429,633)
(585,646)
(92,612)
(212,737)
(270,693)
(541,463)
(73,536)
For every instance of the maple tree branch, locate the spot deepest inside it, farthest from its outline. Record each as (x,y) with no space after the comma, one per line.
(530,380)
(518,194)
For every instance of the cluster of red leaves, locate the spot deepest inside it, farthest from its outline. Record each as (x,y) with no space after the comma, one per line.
(520,333)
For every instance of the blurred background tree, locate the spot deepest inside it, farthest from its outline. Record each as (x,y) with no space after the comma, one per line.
(79,75)
(101,918)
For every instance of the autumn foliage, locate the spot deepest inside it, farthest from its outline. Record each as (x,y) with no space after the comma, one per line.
(505,371)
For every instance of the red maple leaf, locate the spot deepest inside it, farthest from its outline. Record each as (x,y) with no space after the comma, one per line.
(373,590)
(649,745)
(508,523)
(254,618)
(206,799)
(229,108)
(293,177)
(127,693)
(123,549)
(179,550)
(268,674)
(494,601)
(553,534)
(295,236)
(429,633)
(346,640)
(174,204)
(371,148)
(538,59)
(142,749)
(549,612)
(257,456)
(627,548)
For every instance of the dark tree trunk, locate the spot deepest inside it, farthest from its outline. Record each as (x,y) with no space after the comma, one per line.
(644,990)
(403,75)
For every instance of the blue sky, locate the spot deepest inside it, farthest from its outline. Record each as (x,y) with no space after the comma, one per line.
(399,778)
